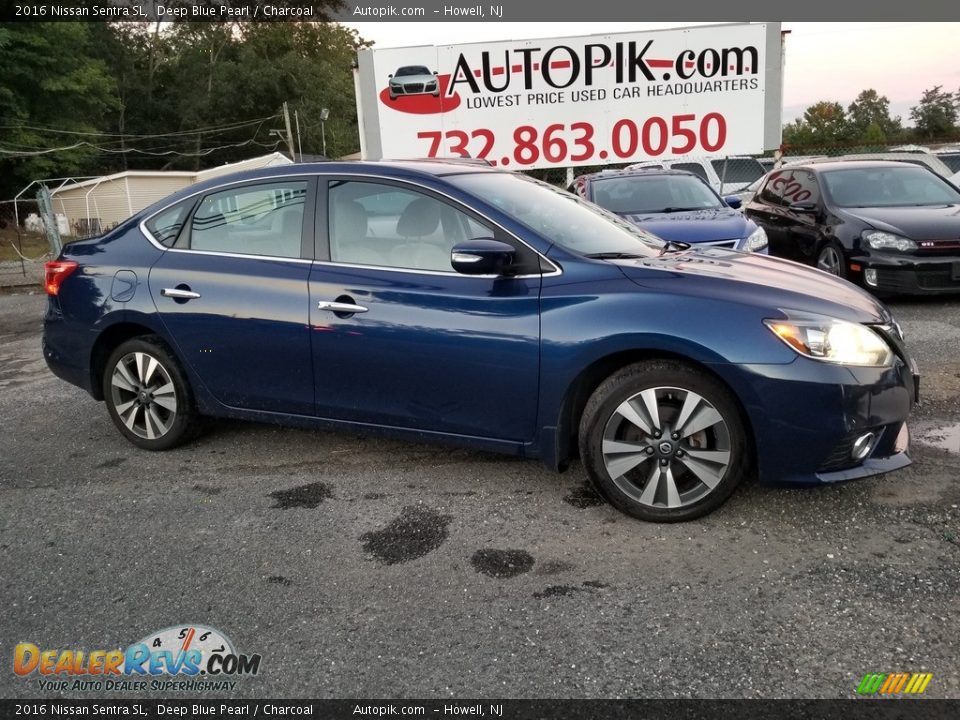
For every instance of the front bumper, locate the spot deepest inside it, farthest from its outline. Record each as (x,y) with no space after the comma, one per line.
(908,274)
(807,415)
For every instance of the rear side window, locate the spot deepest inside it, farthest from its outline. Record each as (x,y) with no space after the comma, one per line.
(166,225)
(251,220)
(737,170)
(694,168)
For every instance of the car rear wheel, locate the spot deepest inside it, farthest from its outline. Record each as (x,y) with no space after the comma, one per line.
(663,441)
(147,395)
(830,259)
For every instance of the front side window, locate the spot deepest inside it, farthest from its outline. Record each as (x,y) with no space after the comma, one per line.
(396,227)
(772,191)
(262,219)
(695,168)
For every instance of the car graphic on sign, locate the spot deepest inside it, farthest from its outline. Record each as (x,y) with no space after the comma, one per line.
(414,80)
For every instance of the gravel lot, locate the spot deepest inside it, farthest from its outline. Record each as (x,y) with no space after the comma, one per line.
(370,568)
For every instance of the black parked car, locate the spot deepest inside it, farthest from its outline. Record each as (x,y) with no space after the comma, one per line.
(889,226)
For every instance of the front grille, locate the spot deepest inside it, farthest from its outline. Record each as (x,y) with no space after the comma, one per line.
(906,280)
(839,458)
(413,88)
(720,243)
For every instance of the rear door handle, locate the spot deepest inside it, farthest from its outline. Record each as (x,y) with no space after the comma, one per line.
(340,307)
(179,294)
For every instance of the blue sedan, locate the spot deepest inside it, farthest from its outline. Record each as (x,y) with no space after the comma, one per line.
(449,301)
(674,205)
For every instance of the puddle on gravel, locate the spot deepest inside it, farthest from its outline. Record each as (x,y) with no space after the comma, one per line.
(502,563)
(945,437)
(305,496)
(416,532)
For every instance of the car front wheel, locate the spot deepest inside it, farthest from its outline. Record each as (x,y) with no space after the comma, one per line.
(663,441)
(147,395)
(830,259)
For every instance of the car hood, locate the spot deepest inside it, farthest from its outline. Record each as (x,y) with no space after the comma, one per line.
(756,280)
(932,222)
(694,226)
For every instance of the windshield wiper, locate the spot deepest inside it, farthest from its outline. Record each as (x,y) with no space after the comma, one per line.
(612,256)
(683,209)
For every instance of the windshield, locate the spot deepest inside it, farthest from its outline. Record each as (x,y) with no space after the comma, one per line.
(633,194)
(888,187)
(558,216)
(412,70)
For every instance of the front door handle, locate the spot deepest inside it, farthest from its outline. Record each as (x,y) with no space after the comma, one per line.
(340,307)
(179,293)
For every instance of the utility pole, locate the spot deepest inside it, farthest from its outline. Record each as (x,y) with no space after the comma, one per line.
(286,120)
(296,119)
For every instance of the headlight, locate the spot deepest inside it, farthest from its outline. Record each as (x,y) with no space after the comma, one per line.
(757,240)
(835,341)
(879,240)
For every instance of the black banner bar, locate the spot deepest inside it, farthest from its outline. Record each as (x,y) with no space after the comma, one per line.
(467,10)
(856,709)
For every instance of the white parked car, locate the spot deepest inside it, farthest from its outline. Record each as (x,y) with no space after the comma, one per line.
(726,175)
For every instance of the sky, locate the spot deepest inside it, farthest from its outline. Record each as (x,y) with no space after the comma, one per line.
(824,61)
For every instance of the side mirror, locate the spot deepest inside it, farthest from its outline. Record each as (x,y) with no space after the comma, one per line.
(733,201)
(390,77)
(483,256)
(807,208)
(434,72)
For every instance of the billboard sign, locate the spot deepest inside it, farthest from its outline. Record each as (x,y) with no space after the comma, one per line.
(590,100)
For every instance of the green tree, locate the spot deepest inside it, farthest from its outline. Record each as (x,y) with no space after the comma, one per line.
(936,114)
(50,80)
(823,123)
(872,110)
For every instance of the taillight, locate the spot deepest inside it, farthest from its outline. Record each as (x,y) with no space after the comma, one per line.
(56,271)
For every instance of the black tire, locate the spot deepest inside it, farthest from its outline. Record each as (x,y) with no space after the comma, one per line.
(151,404)
(830,259)
(603,427)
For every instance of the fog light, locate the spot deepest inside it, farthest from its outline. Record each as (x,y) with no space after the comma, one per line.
(863,446)
(870,277)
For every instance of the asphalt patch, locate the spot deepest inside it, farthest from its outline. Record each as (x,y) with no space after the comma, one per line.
(558,591)
(583,497)
(305,496)
(112,463)
(279,580)
(502,563)
(416,532)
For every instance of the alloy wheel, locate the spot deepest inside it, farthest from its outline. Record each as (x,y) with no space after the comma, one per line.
(829,260)
(666,447)
(143,395)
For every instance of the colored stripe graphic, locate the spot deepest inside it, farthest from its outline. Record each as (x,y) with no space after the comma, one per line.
(894,683)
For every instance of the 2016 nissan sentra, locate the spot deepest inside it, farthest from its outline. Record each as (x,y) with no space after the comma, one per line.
(456,302)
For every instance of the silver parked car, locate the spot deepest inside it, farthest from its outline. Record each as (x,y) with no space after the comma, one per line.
(414,80)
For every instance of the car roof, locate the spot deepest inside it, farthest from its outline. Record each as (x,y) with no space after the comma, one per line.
(834,164)
(638,172)
(409,169)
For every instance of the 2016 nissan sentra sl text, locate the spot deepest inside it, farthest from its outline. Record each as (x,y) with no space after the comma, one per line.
(452,301)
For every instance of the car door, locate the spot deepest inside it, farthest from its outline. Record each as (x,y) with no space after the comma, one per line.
(232,293)
(803,215)
(401,339)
